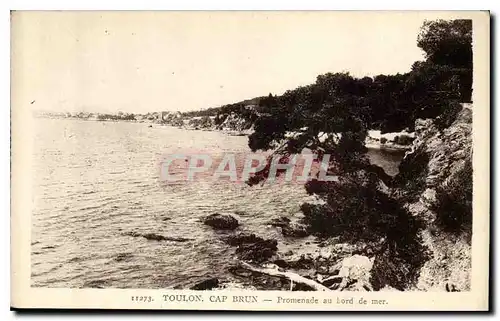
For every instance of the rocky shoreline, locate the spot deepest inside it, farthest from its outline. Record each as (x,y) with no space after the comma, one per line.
(314,264)
(333,265)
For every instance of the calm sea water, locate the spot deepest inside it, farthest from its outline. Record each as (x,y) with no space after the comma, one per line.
(96,181)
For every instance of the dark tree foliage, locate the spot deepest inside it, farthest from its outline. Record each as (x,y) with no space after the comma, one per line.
(386,102)
(449,43)
(332,117)
(454,202)
(446,119)
(412,174)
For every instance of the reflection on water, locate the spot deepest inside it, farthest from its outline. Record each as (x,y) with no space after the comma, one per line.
(387,159)
(97,181)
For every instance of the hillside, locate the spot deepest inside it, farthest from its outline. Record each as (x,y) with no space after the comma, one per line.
(443,199)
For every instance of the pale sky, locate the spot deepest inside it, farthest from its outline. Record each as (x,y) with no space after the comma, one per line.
(154,61)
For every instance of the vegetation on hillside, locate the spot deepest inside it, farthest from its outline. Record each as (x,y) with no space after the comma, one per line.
(386,102)
(332,116)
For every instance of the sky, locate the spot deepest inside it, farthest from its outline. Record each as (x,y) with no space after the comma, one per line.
(165,61)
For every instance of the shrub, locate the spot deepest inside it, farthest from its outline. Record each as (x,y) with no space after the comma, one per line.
(383,140)
(412,175)
(453,204)
(357,213)
(448,116)
(399,267)
(403,140)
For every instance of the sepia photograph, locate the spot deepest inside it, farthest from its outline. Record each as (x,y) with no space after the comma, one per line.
(218,152)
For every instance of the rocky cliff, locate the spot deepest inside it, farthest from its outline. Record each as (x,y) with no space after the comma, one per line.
(231,122)
(436,184)
(235,122)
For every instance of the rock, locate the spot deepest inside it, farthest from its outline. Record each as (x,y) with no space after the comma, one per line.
(447,149)
(356,267)
(154,237)
(294,230)
(257,252)
(157,237)
(259,281)
(329,282)
(239,271)
(252,247)
(236,240)
(221,221)
(302,287)
(303,263)
(280,221)
(333,270)
(322,269)
(288,228)
(206,284)
(281,263)
(353,274)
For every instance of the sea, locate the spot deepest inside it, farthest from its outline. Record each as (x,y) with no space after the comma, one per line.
(95,183)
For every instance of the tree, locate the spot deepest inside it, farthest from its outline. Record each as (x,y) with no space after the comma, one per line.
(449,43)
(331,117)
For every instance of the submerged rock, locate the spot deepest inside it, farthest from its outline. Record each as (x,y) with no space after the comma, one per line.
(157,237)
(123,257)
(221,221)
(206,284)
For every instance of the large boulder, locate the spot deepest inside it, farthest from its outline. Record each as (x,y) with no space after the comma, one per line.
(221,221)
(251,247)
(207,284)
(353,274)
(257,252)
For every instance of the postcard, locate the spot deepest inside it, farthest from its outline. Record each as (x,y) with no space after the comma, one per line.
(250,160)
